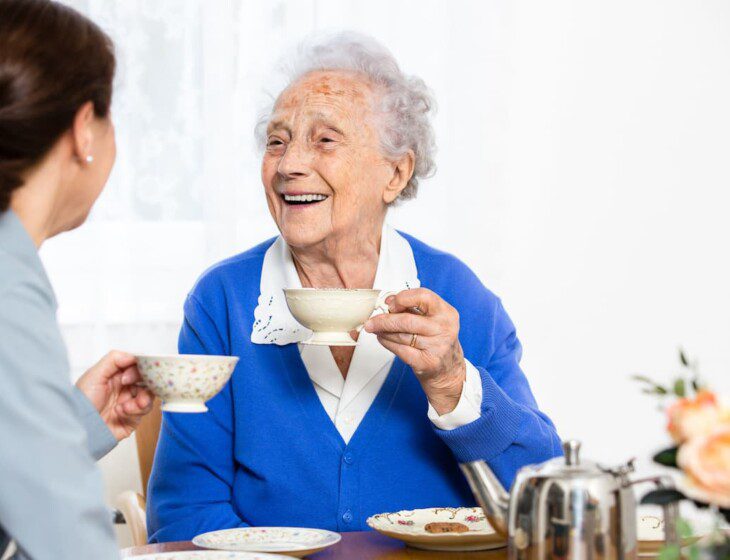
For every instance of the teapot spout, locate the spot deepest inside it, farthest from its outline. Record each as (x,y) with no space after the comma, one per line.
(489,493)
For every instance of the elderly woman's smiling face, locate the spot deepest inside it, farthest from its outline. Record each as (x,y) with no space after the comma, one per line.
(323,170)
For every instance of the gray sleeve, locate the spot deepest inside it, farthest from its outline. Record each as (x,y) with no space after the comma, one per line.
(98,437)
(50,489)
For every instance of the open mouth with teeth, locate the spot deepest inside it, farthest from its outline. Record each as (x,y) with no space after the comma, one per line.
(301,199)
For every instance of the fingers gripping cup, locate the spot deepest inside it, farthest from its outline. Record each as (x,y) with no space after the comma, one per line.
(332,313)
(184,382)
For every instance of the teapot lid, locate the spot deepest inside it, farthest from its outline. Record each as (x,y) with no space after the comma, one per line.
(572,466)
(571,450)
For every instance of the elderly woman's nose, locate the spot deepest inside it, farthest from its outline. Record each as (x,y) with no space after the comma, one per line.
(295,161)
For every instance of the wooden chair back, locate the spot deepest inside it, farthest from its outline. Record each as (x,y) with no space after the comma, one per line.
(147,434)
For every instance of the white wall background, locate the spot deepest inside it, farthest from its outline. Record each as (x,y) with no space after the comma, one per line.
(583,174)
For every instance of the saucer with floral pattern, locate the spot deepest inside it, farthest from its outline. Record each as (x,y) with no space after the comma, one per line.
(293,541)
(409,526)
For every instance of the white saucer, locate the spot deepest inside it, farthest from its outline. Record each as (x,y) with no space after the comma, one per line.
(330,339)
(210,555)
(293,541)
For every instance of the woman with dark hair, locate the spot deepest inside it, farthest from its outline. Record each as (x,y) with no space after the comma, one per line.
(56,152)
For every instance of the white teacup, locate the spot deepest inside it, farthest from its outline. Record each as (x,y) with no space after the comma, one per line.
(331,313)
(185,381)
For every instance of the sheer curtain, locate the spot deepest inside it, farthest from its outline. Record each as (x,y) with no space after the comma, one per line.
(582,175)
(185,175)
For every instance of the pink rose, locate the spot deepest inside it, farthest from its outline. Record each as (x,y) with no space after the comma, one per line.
(706,461)
(690,418)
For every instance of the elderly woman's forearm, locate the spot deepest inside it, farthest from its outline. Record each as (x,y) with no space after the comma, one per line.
(444,392)
(509,433)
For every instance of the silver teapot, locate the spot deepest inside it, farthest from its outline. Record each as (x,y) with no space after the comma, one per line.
(566,508)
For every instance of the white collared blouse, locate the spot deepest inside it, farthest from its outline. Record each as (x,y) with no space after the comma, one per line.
(347,399)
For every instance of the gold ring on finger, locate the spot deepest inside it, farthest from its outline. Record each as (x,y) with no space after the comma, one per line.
(414,339)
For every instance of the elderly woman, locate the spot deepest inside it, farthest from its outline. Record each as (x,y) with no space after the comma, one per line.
(326,436)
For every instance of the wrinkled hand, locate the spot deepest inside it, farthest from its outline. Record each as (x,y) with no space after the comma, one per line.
(110,386)
(436,357)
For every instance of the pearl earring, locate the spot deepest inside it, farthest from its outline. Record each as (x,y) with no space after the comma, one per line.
(89,159)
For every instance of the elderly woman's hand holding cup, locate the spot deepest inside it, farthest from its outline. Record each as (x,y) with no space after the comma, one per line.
(423,331)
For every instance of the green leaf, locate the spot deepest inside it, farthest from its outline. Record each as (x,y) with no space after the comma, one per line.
(643,379)
(653,388)
(680,388)
(684,529)
(669,553)
(667,457)
(683,358)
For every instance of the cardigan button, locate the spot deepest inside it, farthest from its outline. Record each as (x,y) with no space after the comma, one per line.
(347,516)
(349,458)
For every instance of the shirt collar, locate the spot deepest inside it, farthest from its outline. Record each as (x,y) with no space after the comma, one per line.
(16,242)
(274,323)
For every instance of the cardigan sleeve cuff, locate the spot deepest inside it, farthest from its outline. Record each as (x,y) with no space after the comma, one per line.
(494,431)
(100,440)
(467,409)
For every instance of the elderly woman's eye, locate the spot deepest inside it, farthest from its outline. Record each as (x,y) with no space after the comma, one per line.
(274,142)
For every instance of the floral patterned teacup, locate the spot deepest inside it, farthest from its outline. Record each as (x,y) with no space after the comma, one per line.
(184,382)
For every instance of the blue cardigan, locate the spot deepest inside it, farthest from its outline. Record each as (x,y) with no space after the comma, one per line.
(268,454)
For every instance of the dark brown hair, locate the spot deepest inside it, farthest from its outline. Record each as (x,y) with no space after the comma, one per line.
(52,61)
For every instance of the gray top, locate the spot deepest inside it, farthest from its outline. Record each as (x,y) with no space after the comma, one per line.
(50,435)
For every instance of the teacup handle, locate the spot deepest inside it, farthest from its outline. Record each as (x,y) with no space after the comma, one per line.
(380,305)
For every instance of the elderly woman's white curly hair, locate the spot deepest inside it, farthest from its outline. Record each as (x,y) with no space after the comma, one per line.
(405,102)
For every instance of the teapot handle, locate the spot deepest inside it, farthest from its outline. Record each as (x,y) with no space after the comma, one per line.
(670,511)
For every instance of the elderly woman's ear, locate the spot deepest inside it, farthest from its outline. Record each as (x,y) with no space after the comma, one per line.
(402,173)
